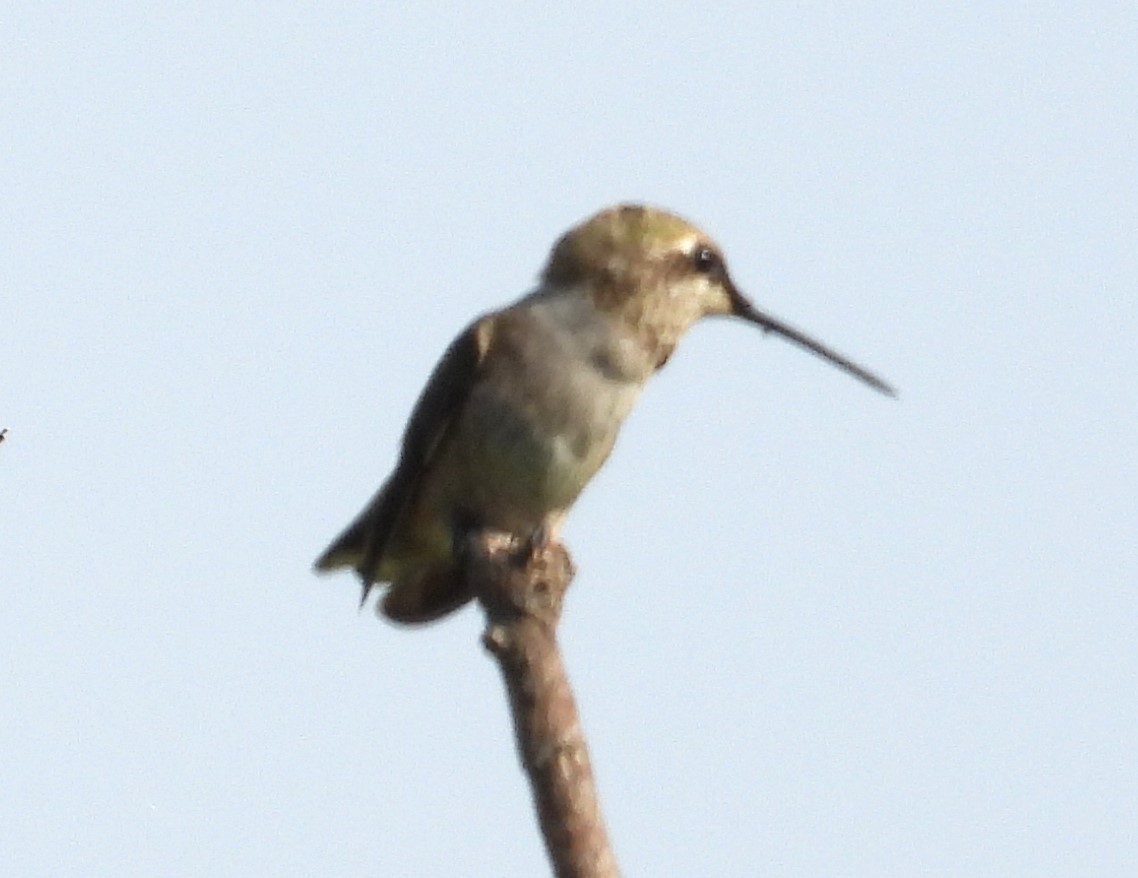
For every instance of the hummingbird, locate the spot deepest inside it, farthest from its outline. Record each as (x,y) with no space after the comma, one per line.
(525,405)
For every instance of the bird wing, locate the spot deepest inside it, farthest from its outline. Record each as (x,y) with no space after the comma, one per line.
(432,419)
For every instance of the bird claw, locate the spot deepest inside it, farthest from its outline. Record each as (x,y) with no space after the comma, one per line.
(539,540)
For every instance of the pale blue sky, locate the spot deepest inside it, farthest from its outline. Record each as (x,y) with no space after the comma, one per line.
(815,632)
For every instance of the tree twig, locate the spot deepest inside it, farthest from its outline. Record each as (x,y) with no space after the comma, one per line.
(522,589)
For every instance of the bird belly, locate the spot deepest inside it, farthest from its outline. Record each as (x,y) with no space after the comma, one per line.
(534,429)
(525,458)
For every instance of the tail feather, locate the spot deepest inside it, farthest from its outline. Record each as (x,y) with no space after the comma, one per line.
(347,550)
(428,595)
(364,540)
(424,587)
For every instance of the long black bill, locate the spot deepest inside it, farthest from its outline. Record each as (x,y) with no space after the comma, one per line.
(749,312)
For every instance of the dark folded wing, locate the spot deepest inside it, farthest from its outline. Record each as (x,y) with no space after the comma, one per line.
(432,419)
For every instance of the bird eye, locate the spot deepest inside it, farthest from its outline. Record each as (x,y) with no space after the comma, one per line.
(706,260)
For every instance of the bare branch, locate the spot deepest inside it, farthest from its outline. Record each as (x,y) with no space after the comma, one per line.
(522,589)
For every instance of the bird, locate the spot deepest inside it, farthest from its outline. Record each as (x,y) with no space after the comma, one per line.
(525,405)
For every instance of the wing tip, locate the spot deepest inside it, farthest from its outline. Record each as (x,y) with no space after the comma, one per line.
(336,557)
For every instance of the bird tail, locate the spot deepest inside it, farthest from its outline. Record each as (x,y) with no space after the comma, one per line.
(347,550)
(423,587)
(429,594)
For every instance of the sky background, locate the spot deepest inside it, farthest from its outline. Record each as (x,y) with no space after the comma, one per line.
(815,631)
